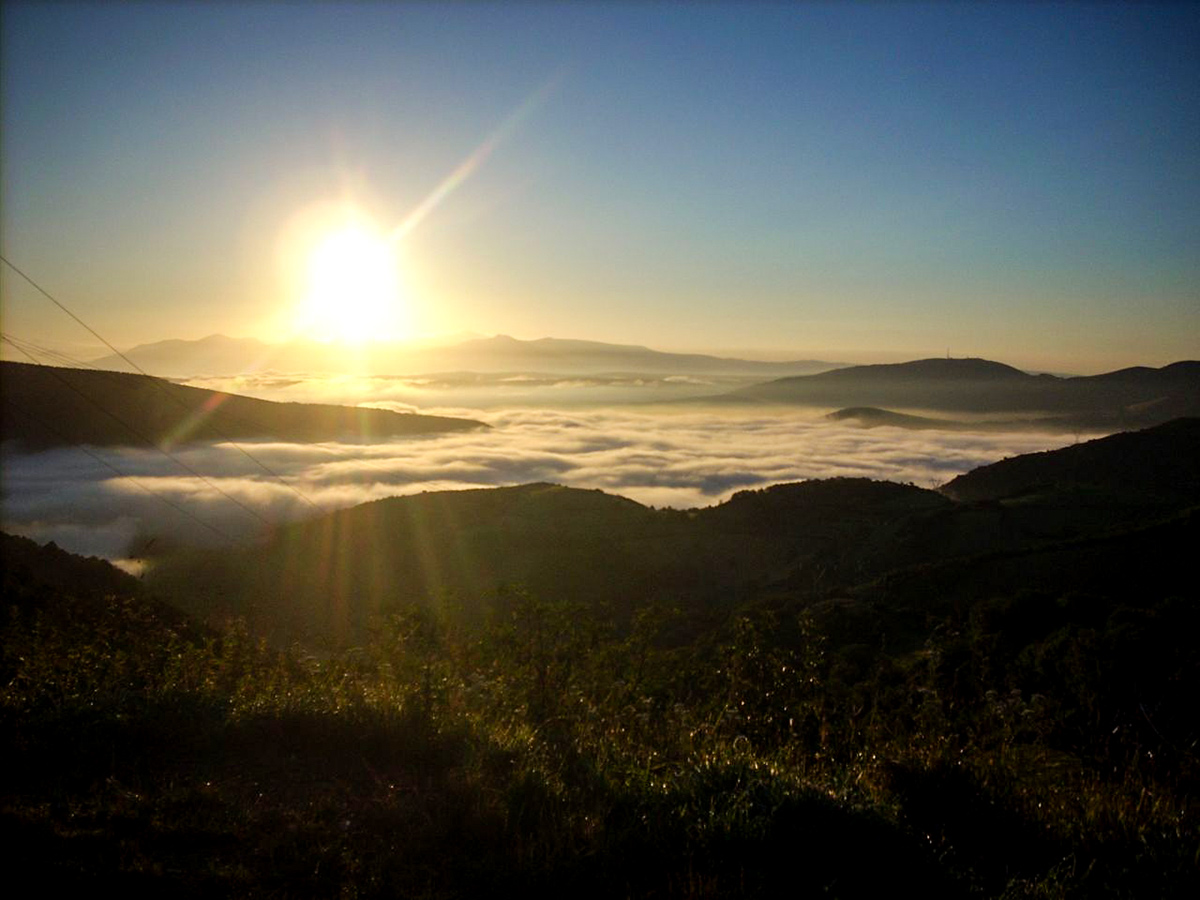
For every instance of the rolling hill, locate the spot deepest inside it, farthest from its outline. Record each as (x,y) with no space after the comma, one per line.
(47,406)
(554,688)
(873,417)
(1126,398)
(330,575)
(1159,461)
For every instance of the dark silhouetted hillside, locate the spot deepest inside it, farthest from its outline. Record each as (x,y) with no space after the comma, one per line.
(46,406)
(951,384)
(28,567)
(538,691)
(46,583)
(1164,460)
(873,417)
(1123,399)
(330,575)
(936,369)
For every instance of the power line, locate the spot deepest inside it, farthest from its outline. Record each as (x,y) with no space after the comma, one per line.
(171,503)
(89,328)
(25,347)
(161,386)
(140,436)
(22,345)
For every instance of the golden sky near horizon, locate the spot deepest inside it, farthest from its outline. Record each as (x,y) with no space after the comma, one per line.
(856,183)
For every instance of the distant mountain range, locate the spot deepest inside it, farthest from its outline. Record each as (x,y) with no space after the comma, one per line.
(220,355)
(967,393)
(1133,397)
(47,406)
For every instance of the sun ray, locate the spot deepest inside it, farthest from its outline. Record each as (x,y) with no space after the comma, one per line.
(478,156)
(345,272)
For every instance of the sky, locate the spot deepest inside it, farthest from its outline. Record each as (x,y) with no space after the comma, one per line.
(855,181)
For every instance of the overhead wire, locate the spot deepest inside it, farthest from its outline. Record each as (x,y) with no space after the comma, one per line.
(179,462)
(132,479)
(159,384)
(23,345)
(27,346)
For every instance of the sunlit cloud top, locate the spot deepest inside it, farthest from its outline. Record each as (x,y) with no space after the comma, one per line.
(681,461)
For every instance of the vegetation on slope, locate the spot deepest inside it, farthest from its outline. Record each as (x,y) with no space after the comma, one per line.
(1159,461)
(48,406)
(545,751)
(1002,718)
(324,579)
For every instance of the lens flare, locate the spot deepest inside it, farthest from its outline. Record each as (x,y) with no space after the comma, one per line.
(353,286)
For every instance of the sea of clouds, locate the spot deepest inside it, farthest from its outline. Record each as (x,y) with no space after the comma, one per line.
(115,502)
(476,390)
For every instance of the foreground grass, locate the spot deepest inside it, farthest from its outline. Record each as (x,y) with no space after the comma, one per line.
(546,755)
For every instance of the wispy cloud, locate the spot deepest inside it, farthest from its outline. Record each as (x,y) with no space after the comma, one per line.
(681,460)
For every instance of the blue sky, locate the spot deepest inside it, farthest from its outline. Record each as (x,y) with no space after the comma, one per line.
(850,181)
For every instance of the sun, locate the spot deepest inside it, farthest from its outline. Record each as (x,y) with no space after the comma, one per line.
(353,287)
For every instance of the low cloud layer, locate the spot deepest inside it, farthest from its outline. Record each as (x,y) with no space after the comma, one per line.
(681,460)
(476,390)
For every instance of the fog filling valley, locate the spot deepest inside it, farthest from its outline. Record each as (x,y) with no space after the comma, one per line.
(680,459)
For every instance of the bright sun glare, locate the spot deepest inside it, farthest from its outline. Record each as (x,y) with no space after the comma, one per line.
(353,285)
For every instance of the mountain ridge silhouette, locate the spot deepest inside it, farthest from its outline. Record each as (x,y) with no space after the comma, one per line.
(220,355)
(1127,398)
(48,406)
(804,541)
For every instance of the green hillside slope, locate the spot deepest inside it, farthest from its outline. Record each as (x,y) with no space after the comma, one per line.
(538,691)
(328,577)
(46,406)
